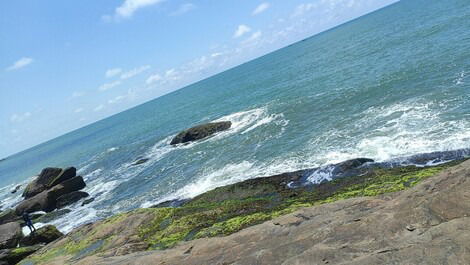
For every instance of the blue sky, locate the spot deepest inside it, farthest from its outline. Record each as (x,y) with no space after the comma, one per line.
(66,64)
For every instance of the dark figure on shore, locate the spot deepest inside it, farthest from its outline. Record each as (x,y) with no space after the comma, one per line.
(28,222)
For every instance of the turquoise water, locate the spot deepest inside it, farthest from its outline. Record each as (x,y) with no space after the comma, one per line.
(389,84)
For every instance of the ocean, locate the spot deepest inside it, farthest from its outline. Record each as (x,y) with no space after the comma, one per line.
(390,84)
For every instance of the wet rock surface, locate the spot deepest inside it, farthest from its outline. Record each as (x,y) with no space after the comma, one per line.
(200,132)
(337,226)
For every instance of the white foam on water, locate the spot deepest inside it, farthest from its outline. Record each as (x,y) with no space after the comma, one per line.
(210,179)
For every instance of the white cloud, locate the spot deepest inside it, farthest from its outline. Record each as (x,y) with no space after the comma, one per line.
(153,78)
(78,110)
(302,9)
(98,108)
(107,86)
(113,72)
(129,7)
(134,72)
(183,9)
(261,8)
(77,94)
(20,117)
(241,30)
(253,38)
(25,61)
(116,99)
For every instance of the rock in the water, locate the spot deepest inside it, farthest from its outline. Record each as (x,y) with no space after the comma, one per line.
(201,132)
(64,175)
(10,234)
(140,161)
(41,183)
(47,200)
(70,198)
(8,216)
(13,256)
(44,201)
(87,201)
(51,216)
(43,235)
(68,186)
(350,165)
(17,188)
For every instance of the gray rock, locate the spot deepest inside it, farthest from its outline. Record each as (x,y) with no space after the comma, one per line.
(64,175)
(41,183)
(10,234)
(70,198)
(48,217)
(44,201)
(200,132)
(8,216)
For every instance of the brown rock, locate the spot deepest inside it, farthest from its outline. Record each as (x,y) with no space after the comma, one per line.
(41,183)
(201,132)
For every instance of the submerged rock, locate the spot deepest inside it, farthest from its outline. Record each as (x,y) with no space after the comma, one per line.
(43,235)
(13,256)
(140,161)
(200,132)
(87,201)
(17,188)
(70,198)
(10,234)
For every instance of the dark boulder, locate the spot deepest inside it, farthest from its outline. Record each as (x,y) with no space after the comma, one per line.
(349,167)
(70,198)
(87,201)
(44,201)
(17,188)
(13,256)
(47,200)
(200,132)
(8,216)
(68,186)
(64,175)
(43,235)
(140,161)
(10,235)
(48,217)
(41,183)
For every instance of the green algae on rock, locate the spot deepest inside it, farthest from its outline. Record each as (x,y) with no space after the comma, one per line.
(222,211)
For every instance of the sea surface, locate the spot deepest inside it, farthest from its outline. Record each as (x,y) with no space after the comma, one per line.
(390,84)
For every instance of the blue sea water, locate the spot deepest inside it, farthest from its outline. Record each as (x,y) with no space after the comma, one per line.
(393,83)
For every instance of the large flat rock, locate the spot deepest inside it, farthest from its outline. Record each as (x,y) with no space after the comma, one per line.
(427,224)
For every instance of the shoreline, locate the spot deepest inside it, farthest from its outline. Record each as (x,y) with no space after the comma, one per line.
(229,209)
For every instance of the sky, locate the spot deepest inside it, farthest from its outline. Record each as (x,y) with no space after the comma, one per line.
(66,64)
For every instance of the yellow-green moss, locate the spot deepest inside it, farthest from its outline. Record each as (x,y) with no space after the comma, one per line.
(205,216)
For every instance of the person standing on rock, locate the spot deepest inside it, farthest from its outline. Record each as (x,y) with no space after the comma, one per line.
(28,222)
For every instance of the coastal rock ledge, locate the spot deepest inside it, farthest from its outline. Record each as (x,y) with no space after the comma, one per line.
(406,215)
(200,132)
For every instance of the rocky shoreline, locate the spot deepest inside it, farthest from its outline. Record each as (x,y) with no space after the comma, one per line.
(213,215)
(218,213)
